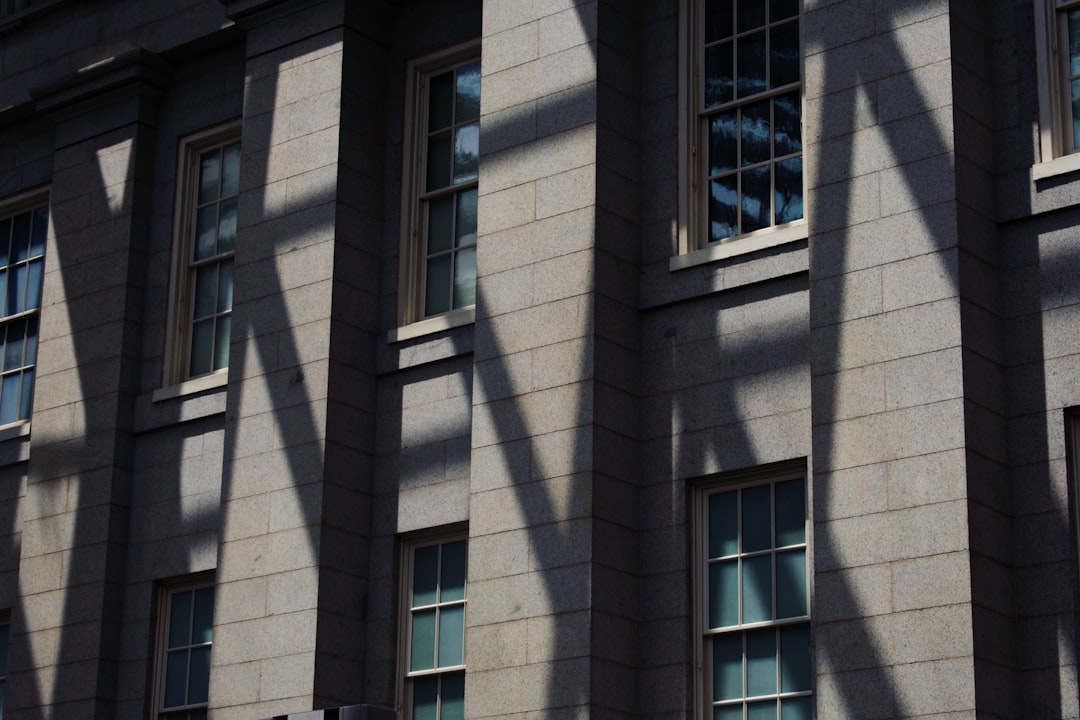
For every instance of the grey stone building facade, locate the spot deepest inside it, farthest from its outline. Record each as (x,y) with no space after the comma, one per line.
(539,359)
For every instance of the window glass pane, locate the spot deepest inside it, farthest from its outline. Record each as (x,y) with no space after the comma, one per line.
(723,208)
(199,714)
(789,201)
(723,524)
(176,678)
(784,54)
(440,101)
(20,237)
(719,75)
(19,295)
(202,340)
(209,176)
(466,218)
(723,143)
(438,161)
(453,697)
(751,64)
(795,672)
(4,630)
(206,290)
(755,133)
(466,152)
(728,712)
(465,278)
(26,398)
(33,286)
(425,575)
(221,341)
(199,680)
(3,293)
(761,663)
(225,287)
(724,594)
(452,586)
(756,199)
(13,346)
(422,649)
(202,626)
(30,356)
(756,518)
(468,93)
(791,583)
(727,666)
(787,125)
(226,238)
(426,698)
(451,635)
(790,513)
(780,9)
(180,619)
(1074,41)
(5,239)
(437,293)
(1075,113)
(761,710)
(205,232)
(440,224)
(757,588)
(9,399)
(230,176)
(38,233)
(797,709)
(718,19)
(750,14)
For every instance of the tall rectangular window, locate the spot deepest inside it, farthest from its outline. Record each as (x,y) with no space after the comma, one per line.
(438,272)
(208,191)
(744,137)
(753,608)
(22,269)
(185,636)
(1058,35)
(435,630)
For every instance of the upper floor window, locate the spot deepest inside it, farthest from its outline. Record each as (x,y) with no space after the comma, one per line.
(185,636)
(22,269)
(1058,34)
(753,610)
(439,195)
(202,297)
(434,630)
(742,144)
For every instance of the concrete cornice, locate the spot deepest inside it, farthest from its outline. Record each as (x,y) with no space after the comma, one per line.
(135,71)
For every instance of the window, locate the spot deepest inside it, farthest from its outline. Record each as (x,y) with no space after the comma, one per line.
(438,268)
(185,634)
(742,142)
(434,633)
(1058,31)
(753,612)
(206,240)
(22,268)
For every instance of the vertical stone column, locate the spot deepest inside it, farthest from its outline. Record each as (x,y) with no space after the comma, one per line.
(298,456)
(906,435)
(66,634)
(553,511)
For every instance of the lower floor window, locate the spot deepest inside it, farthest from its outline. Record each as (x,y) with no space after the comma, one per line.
(184,645)
(754,603)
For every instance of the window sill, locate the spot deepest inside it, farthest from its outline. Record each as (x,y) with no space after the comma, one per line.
(1053,168)
(770,237)
(190,387)
(452,319)
(18,429)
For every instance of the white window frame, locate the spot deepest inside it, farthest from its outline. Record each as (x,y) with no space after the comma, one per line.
(694,247)
(166,591)
(10,208)
(768,476)
(1072,461)
(1057,153)
(411,320)
(406,677)
(177,379)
